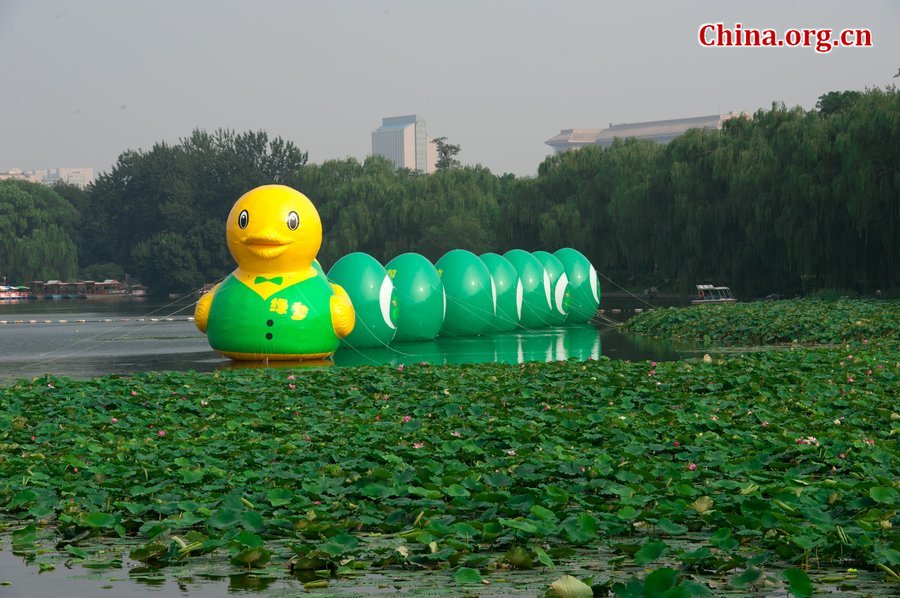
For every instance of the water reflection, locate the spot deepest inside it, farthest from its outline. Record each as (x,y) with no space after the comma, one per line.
(87,338)
(249,582)
(557,344)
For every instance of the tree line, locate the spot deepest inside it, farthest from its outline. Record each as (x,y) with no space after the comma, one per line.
(788,200)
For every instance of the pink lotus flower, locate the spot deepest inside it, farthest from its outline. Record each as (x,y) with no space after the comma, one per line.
(292,386)
(692,467)
(764,423)
(406,419)
(511,453)
(292,377)
(161,433)
(400,368)
(418,445)
(676,443)
(114,420)
(843,455)
(457,434)
(715,418)
(134,393)
(849,380)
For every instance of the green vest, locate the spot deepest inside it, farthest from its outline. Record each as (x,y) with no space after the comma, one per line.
(294,321)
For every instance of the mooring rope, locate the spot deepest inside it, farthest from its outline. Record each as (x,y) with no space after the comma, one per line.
(51,356)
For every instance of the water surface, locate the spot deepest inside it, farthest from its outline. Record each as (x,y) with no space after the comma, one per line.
(89,338)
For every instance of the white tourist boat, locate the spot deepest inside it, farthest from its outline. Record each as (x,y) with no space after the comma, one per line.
(708,294)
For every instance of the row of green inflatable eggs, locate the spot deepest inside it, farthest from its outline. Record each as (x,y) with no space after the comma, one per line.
(463,294)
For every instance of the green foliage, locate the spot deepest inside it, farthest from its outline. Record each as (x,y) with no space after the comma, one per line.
(800,585)
(837,101)
(166,263)
(372,208)
(782,456)
(767,322)
(445,152)
(35,227)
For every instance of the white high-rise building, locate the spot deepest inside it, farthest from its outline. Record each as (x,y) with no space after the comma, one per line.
(404,141)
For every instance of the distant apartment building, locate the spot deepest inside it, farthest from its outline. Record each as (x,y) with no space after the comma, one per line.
(14,174)
(404,141)
(80,177)
(660,131)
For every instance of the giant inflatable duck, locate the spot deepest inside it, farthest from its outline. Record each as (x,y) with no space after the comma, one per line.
(276,305)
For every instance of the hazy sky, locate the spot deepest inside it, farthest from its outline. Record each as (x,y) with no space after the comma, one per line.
(82,81)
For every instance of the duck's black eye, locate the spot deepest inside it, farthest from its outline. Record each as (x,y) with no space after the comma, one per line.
(243,219)
(293,221)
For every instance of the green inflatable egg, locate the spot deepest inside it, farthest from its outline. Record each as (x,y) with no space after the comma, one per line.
(560,292)
(470,293)
(509,292)
(535,289)
(372,294)
(420,297)
(584,286)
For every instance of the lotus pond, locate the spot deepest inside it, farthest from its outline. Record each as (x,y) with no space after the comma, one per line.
(771,471)
(803,321)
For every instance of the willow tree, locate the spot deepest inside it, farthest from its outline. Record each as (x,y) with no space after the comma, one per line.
(34,233)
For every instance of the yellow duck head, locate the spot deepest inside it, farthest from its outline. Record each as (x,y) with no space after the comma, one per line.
(272,229)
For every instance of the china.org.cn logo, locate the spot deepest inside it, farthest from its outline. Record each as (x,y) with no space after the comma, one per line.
(718,35)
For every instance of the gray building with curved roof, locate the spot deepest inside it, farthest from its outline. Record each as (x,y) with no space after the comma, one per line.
(660,131)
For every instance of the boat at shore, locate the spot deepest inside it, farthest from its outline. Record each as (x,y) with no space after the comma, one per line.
(86,289)
(708,294)
(15,293)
